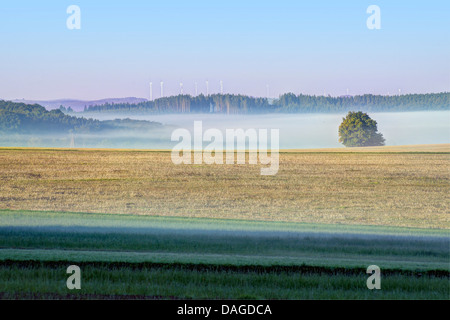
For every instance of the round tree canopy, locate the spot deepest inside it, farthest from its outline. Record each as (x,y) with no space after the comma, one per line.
(359,130)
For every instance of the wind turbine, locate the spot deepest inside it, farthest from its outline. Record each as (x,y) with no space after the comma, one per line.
(151,91)
(162,89)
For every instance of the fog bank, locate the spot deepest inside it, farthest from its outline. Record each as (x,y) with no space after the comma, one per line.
(296,130)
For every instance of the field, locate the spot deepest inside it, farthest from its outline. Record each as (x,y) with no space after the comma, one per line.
(398,189)
(142,228)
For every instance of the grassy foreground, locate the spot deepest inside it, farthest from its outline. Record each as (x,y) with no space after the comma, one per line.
(156,282)
(142,257)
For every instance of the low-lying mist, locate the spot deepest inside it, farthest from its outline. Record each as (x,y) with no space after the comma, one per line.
(296,130)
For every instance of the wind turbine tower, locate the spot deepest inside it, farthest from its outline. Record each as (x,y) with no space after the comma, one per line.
(181,87)
(151,91)
(162,89)
(207,87)
(221,87)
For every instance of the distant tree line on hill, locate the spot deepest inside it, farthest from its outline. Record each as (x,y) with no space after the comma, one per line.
(27,118)
(368,102)
(217,103)
(287,103)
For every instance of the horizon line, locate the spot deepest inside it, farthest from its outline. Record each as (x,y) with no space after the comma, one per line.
(222,94)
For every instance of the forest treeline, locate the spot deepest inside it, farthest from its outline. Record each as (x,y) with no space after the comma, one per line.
(287,103)
(27,118)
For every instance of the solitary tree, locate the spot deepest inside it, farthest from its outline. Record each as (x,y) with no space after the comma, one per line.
(359,130)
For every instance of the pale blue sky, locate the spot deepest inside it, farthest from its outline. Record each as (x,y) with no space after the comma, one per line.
(299,46)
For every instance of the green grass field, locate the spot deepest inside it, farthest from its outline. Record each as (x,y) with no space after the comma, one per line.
(127,256)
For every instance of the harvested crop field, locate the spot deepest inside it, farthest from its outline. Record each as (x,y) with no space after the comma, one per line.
(399,188)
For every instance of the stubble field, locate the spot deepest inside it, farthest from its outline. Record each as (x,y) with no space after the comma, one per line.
(398,189)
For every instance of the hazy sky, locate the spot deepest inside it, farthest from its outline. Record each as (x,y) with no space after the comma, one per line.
(299,46)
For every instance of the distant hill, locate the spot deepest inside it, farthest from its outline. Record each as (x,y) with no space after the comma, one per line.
(27,118)
(78,105)
(286,103)
(241,104)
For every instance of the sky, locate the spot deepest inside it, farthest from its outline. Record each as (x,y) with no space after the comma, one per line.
(310,47)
